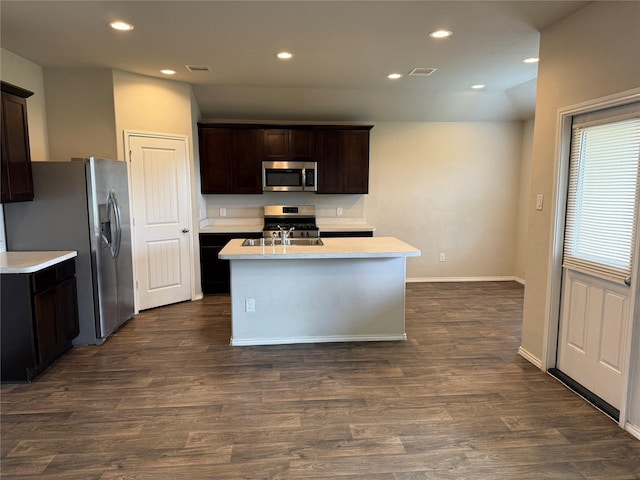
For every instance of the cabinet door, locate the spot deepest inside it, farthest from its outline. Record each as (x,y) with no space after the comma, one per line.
(17,183)
(288,144)
(343,161)
(67,311)
(46,328)
(356,161)
(275,143)
(214,272)
(330,167)
(215,160)
(301,145)
(246,162)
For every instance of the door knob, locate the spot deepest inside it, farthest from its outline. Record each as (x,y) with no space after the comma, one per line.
(185,230)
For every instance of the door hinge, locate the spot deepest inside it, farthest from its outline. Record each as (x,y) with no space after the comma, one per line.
(130,155)
(136,285)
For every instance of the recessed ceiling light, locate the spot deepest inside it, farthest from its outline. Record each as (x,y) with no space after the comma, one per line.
(478,86)
(531,60)
(394,76)
(284,55)
(167,71)
(441,34)
(123,26)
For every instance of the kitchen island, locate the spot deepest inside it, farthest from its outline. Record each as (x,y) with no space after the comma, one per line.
(349,289)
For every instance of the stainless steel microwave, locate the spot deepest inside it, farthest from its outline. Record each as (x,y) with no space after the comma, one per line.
(289,176)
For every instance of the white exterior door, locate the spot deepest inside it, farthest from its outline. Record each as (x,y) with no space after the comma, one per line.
(161,223)
(597,305)
(593,334)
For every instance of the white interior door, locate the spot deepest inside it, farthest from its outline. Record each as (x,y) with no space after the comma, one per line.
(600,240)
(161,225)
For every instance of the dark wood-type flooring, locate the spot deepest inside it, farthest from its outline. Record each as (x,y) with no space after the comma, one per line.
(168,398)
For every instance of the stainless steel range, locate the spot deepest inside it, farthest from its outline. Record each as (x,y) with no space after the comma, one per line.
(299,221)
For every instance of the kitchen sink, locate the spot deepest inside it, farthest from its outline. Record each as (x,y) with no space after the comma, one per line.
(256,242)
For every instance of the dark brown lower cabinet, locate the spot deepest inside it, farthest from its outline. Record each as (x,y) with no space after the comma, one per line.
(345,234)
(39,319)
(213,271)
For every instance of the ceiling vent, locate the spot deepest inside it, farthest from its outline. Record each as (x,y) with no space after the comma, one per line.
(198,68)
(421,72)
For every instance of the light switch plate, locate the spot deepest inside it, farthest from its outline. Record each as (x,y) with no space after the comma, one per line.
(539,201)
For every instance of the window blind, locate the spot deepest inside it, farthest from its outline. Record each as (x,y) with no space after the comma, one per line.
(602,203)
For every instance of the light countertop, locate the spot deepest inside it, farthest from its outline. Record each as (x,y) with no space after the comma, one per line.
(364,247)
(29,262)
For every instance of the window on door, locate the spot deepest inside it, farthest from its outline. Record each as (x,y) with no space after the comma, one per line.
(602,205)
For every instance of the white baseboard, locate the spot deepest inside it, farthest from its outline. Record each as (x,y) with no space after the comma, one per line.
(509,278)
(530,357)
(633,430)
(319,339)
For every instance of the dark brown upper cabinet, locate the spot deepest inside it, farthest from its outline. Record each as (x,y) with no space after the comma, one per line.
(17,182)
(288,144)
(231,155)
(343,159)
(230,159)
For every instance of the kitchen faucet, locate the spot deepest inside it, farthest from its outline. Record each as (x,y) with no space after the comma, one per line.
(284,235)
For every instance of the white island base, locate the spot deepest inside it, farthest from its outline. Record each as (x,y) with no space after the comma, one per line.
(332,293)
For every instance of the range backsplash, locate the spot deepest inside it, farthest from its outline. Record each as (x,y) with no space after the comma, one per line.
(250,207)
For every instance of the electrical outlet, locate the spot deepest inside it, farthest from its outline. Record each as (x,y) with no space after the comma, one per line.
(339,211)
(223,212)
(249,304)
(443,257)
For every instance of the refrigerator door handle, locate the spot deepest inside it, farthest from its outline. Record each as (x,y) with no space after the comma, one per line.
(117,238)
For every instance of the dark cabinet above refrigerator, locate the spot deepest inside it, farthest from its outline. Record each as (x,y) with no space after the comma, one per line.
(17,183)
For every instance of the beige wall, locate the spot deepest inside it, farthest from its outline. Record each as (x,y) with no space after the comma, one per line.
(575,66)
(448,188)
(578,63)
(151,105)
(80,113)
(23,73)
(524,193)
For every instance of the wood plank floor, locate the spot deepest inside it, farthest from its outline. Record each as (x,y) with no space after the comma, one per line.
(168,398)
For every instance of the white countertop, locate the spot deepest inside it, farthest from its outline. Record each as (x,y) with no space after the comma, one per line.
(29,262)
(364,247)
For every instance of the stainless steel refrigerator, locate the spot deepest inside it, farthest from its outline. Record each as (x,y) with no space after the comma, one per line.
(82,205)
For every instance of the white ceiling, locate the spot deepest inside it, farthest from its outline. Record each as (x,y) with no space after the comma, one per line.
(343,51)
